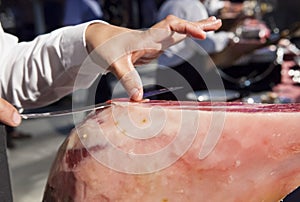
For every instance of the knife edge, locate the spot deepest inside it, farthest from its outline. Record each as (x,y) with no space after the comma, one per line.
(66,112)
(91,107)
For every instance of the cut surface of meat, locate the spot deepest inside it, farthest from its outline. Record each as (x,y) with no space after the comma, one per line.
(169,151)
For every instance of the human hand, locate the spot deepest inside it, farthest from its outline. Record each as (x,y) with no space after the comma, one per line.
(119,49)
(9,114)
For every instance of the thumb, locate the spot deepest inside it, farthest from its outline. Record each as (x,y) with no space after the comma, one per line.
(9,114)
(129,78)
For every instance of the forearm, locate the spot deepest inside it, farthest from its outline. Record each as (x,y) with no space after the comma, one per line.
(42,71)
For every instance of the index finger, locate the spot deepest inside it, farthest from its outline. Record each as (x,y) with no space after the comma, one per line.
(129,77)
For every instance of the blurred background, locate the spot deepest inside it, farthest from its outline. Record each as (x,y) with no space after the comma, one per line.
(267,73)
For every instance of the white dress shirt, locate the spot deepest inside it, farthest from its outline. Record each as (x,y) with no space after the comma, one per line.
(41,71)
(191,10)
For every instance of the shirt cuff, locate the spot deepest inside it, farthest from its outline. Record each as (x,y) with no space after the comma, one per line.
(74,51)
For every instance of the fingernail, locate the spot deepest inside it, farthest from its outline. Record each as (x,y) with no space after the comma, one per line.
(140,96)
(135,94)
(16,118)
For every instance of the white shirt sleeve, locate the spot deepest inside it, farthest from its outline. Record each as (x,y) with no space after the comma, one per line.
(41,71)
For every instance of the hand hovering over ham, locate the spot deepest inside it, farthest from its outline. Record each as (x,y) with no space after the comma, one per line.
(119,49)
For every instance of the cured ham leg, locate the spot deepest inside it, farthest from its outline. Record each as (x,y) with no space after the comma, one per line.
(166,151)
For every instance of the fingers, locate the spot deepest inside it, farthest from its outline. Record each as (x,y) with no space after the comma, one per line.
(140,47)
(8,114)
(210,24)
(129,78)
(195,29)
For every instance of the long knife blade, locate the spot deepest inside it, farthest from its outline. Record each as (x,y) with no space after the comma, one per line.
(91,107)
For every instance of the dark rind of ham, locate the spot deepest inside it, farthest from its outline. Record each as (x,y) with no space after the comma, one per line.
(221,106)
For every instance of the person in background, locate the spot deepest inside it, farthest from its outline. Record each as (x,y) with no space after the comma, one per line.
(214,7)
(148,12)
(231,12)
(218,47)
(79,11)
(39,72)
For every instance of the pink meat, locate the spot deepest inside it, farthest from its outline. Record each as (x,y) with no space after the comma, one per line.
(161,151)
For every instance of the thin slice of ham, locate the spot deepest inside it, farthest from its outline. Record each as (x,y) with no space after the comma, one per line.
(169,151)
